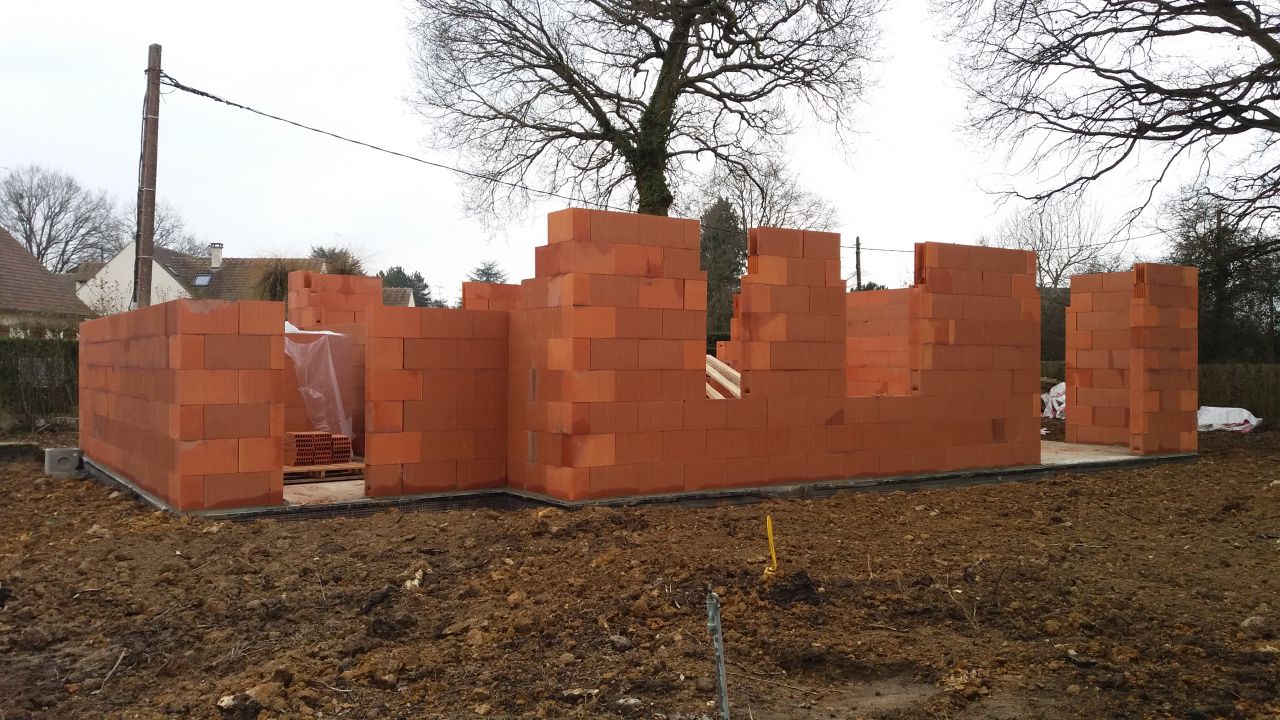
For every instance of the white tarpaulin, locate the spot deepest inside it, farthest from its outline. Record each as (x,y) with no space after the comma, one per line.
(1055,402)
(1222,418)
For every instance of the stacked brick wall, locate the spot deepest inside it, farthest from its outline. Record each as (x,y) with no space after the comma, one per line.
(876,349)
(1164,381)
(1131,359)
(608,351)
(1098,356)
(435,400)
(490,296)
(319,301)
(184,400)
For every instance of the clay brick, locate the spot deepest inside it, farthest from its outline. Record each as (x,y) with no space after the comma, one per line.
(203,317)
(382,480)
(384,353)
(432,353)
(395,322)
(614,354)
(695,295)
(776,242)
(242,490)
(568,483)
(260,317)
(665,293)
(705,414)
(393,448)
(614,481)
(186,422)
(658,415)
(237,352)
(257,386)
(186,352)
(684,444)
(446,323)
(660,477)
(236,421)
(448,445)
(663,354)
(572,224)
(588,450)
(206,457)
(259,454)
(205,387)
(385,416)
(393,385)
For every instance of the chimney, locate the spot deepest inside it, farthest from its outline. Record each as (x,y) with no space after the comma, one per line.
(215,255)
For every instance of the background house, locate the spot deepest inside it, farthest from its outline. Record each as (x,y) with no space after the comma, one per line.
(107,288)
(32,299)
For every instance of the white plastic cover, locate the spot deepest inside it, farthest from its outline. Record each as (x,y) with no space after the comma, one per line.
(1055,402)
(316,356)
(1223,418)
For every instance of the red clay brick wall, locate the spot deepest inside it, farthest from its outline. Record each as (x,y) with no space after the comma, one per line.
(1098,344)
(436,400)
(1131,359)
(1164,373)
(607,351)
(490,296)
(317,299)
(184,399)
(877,341)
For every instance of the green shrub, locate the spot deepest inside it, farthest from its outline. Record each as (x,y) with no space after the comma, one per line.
(38,380)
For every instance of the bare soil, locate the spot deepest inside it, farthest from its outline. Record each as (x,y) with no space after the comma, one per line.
(1140,593)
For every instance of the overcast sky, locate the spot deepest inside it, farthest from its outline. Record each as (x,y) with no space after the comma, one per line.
(71,94)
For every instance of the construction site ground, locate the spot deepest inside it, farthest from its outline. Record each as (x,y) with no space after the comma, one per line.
(1135,593)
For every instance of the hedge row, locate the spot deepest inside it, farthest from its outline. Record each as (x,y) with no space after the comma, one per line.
(38,380)
(1255,388)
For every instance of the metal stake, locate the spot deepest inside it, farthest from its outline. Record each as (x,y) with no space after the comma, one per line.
(717,640)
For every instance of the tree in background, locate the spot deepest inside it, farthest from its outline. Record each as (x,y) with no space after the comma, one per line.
(724,258)
(338,260)
(609,98)
(870,285)
(1066,236)
(1239,284)
(171,230)
(397,277)
(488,272)
(769,196)
(273,283)
(1086,87)
(59,222)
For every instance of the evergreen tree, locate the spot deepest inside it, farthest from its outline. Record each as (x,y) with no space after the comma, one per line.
(338,260)
(724,259)
(398,277)
(488,272)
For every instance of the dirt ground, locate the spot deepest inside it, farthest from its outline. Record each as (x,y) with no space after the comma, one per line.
(1141,593)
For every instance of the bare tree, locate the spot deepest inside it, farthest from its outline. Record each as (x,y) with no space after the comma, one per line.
(769,196)
(59,222)
(171,229)
(1081,88)
(1067,238)
(611,99)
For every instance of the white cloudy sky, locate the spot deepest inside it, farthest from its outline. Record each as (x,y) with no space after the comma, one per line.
(71,93)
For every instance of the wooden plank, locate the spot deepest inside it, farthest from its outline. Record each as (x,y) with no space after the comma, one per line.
(713,393)
(726,376)
(330,466)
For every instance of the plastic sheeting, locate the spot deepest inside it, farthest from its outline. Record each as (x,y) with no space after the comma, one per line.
(317,356)
(1055,402)
(1222,418)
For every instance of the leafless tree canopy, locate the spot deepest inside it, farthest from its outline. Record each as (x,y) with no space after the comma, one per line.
(61,223)
(771,196)
(1084,86)
(615,99)
(1067,237)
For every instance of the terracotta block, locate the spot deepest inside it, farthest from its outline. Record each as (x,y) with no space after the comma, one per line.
(448,445)
(395,322)
(386,417)
(705,414)
(658,415)
(382,480)
(204,457)
(206,387)
(678,263)
(393,448)
(237,352)
(614,481)
(394,385)
(568,354)
(186,352)
(663,293)
(238,490)
(260,317)
(446,323)
(614,354)
(588,450)
(594,322)
(186,422)
(258,386)
(637,323)
(695,295)
(775,241)
(384,353)
(235,421)
(568,483)
(260,454)
(203,317)
(684,444)
(572,224)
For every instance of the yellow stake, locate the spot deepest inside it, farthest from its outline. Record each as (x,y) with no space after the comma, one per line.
(773,554)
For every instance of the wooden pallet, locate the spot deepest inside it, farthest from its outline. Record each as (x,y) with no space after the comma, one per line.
(298,474)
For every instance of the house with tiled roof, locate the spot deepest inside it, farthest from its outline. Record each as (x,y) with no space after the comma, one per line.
(31,297)
(107,288)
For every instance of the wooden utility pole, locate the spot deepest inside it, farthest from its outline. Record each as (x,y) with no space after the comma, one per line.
(147,183)
(857,261)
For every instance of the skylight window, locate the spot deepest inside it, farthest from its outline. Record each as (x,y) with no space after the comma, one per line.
(202,280)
